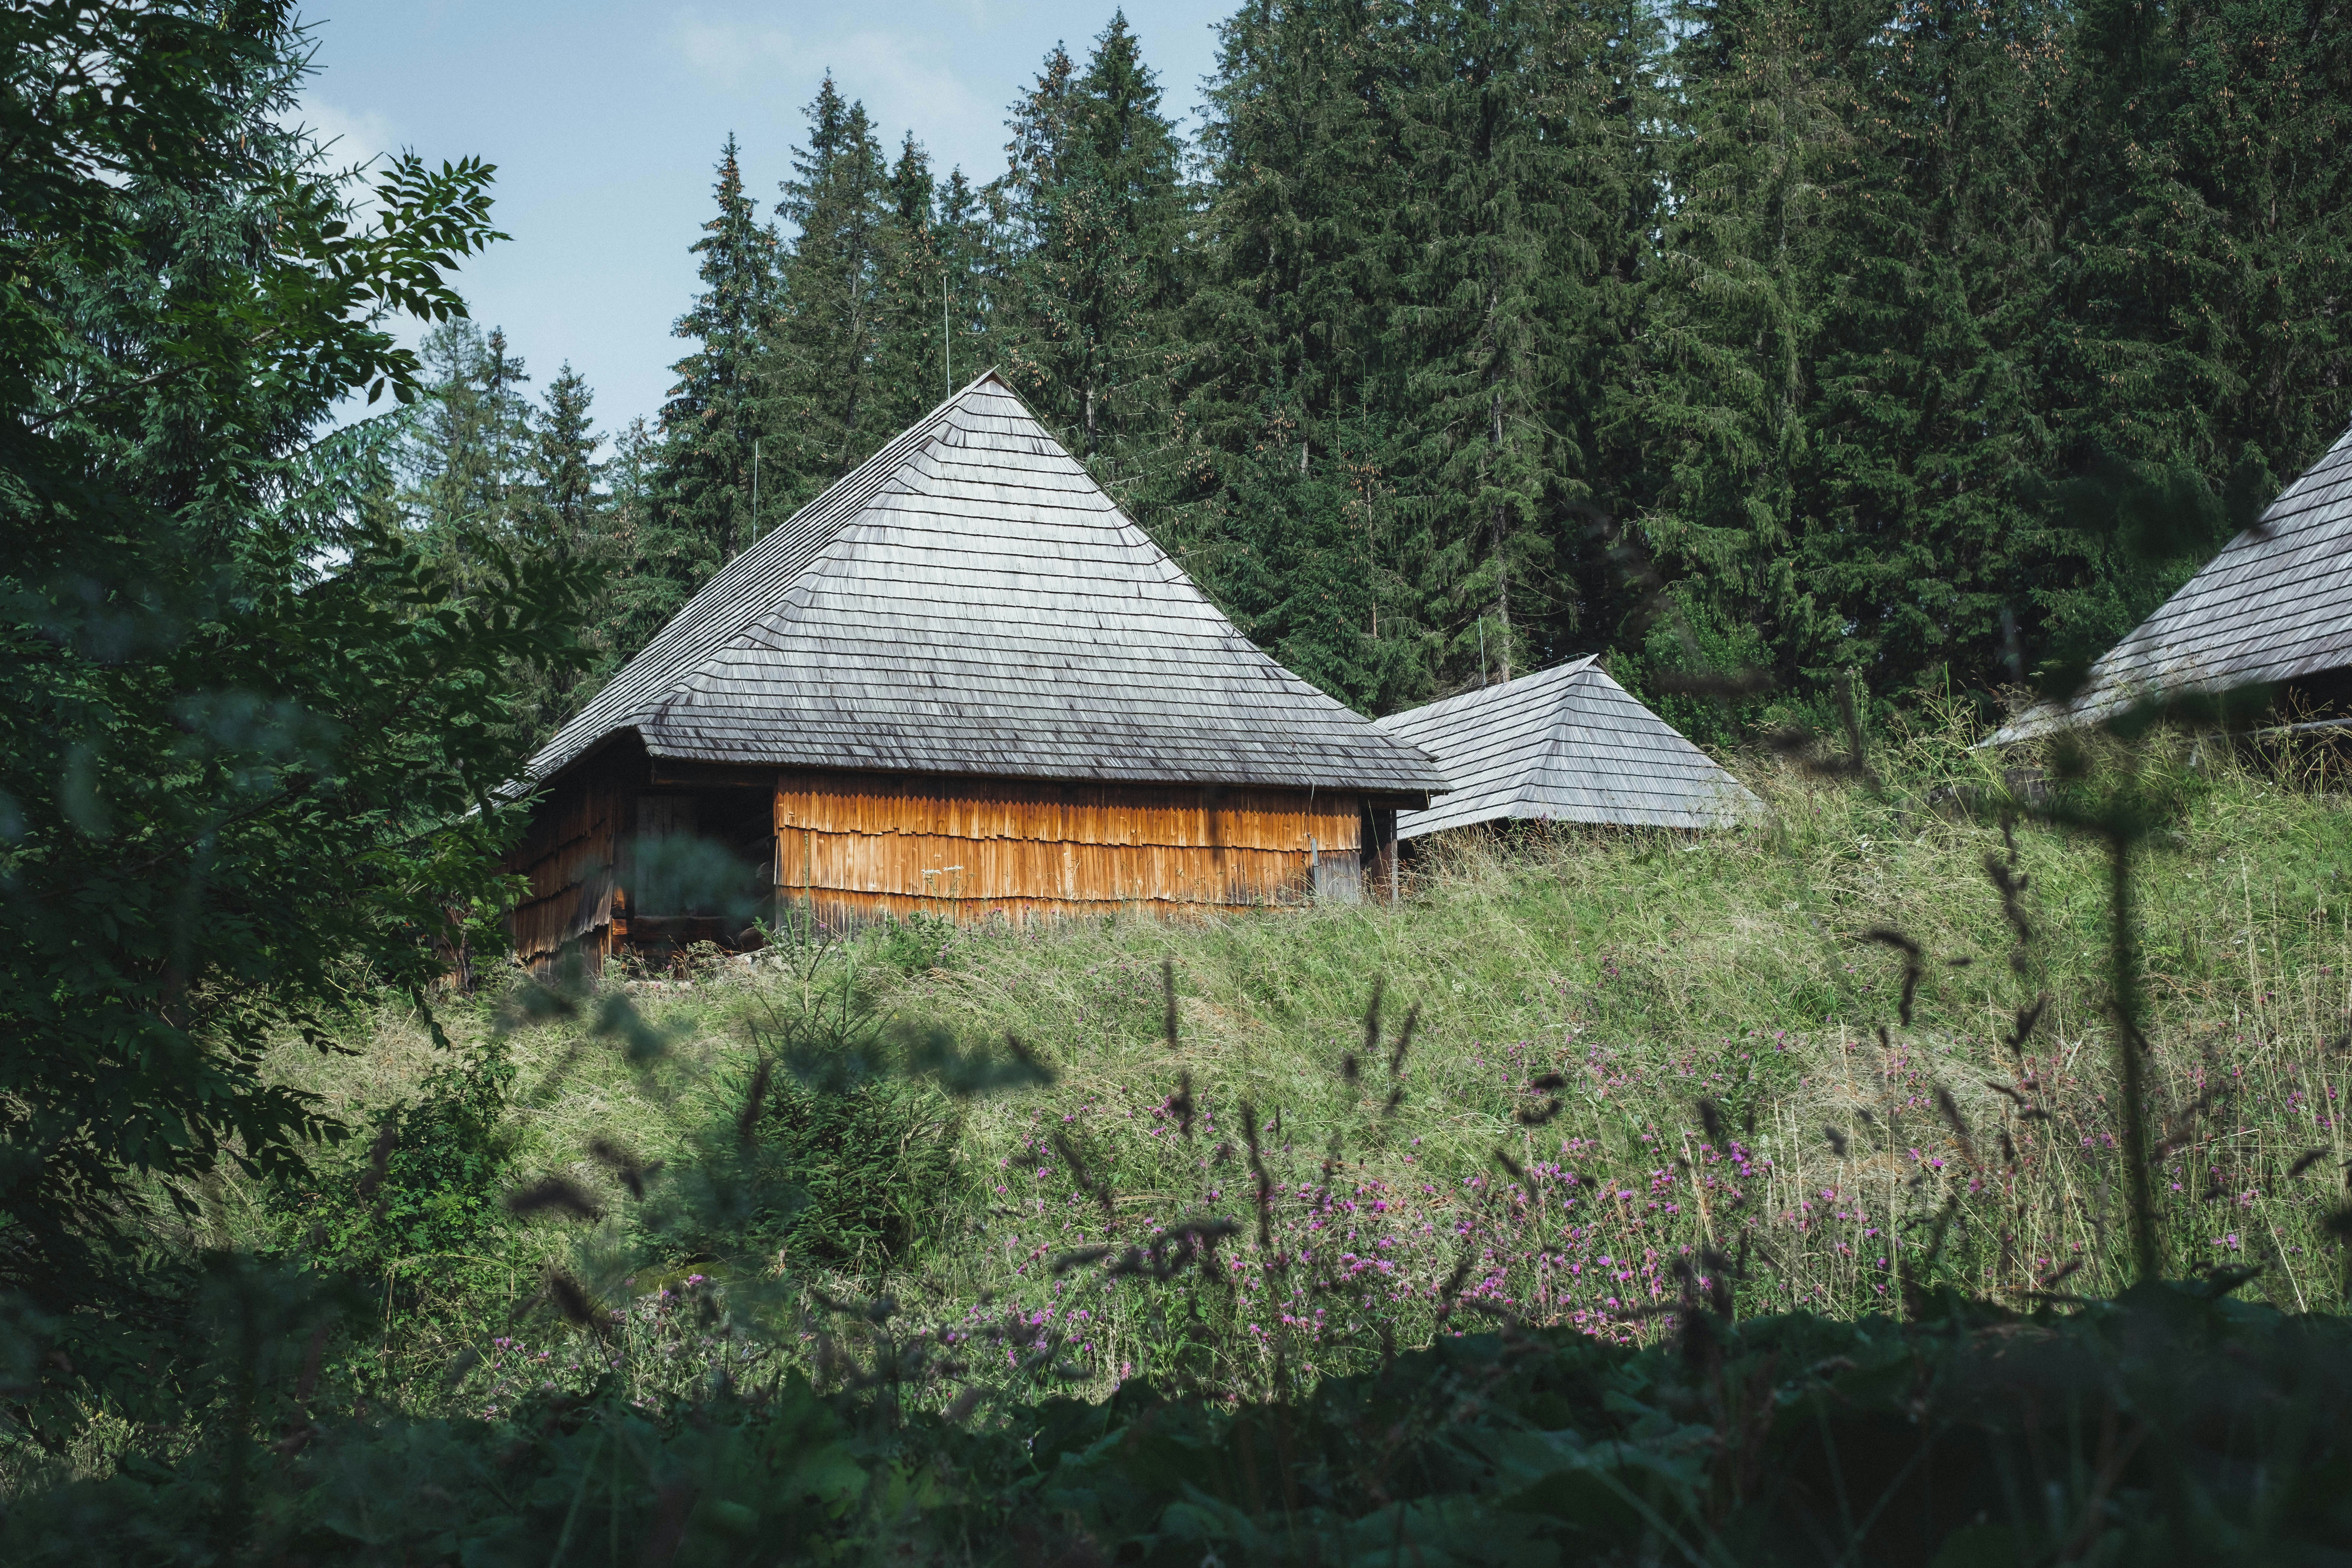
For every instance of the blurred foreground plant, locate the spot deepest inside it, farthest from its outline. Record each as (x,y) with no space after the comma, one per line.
(247,764)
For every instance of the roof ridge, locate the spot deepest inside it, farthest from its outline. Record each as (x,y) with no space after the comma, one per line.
(972,599)
(805,534)
(1556,739)
(1465,701)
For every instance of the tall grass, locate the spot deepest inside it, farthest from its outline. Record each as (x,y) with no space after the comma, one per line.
(1822,1062)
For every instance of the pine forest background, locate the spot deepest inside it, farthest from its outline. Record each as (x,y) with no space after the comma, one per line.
(1759,338)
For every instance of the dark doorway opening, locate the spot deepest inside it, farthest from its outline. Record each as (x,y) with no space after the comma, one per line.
(699,867)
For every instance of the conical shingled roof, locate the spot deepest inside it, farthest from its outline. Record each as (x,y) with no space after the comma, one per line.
(969,601)
(1565,744)
(2275,605)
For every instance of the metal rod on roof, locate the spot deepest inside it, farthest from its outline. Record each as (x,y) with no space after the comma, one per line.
(946,343)
(1482,650)
(755,489)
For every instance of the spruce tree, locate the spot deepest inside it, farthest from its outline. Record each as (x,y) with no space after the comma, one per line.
(1911,524)
(1758,179)
(1615,108)
(1286,507)
(962,231)
(467,448)
(831,409)
(1494,254)
(563,464)
(1094,202)
(567,516)
(1423,231)
(653,562)
(717,412)
(492,482)
(913,294)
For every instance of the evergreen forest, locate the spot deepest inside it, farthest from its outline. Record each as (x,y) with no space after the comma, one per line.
(1758,341)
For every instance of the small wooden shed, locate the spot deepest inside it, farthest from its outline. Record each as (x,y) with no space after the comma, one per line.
(2274,608)
(1564,744)
(960,682)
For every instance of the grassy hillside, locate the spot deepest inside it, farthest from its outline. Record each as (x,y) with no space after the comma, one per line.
(1640,1067)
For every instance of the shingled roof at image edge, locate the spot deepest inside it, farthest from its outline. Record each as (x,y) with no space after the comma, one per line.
(1564,744)
(969,601)
(2274,605)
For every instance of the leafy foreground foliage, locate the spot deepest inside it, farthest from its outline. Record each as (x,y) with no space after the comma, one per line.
(433,1178)
(2174,1425)
(248,764)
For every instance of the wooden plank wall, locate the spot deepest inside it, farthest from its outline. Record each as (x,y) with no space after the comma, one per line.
(571,854)
(860,847)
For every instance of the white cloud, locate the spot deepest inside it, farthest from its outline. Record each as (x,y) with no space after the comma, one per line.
(349,136)
(731,56)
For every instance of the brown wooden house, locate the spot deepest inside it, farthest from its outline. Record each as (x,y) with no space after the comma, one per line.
(960,682)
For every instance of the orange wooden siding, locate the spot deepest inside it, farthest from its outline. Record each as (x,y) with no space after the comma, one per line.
(863,845)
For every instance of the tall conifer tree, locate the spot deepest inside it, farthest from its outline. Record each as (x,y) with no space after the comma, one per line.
(962,231)
(912,290)
(567,514)
(467,448)
(1760,174)
(651,567)
(564,467)
(1286,508)
(1495,257)
(1911,523)
(1094,201)
(717,411)
(832,409)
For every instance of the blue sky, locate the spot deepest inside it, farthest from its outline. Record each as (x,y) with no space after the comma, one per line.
(605,119)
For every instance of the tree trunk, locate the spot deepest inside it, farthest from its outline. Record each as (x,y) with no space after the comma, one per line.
(1499,526)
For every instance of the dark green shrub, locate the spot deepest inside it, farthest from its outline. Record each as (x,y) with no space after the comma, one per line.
(871,1168)
(427,1184)
(2175,1427)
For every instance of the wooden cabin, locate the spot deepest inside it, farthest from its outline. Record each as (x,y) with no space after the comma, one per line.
(1564,744)
(960,682)
(2274,608)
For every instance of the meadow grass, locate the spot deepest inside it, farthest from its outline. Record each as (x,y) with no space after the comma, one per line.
(1642,1067)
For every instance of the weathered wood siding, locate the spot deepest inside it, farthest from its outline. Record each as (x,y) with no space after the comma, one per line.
(860,847)
(571,857)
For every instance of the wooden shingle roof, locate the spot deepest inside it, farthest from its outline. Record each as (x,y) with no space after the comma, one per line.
(1565,744)
(969,601)
(2275,604)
